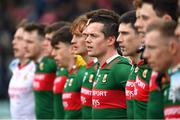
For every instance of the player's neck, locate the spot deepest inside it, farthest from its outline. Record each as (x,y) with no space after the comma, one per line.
(24,61)
(87,58)
(102,59)
(71,62)
(135,58)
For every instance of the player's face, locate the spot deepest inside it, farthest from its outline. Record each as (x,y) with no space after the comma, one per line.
(33,45)
(96,42)
(47,44)
(177,31)
(157,51)
(145,16)
(128,39)
(18,44)
(78,42)
(61,53)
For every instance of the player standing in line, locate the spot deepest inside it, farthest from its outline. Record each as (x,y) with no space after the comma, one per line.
(45,70)
(101,33)
(61,73)
(129,42)
(160,43)
(137,87)
(20,86)
(64,56)
(79,46)
(147,12)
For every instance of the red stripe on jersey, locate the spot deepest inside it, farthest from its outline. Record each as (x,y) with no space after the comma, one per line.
(108,99)
(71,100)
(59,84)
(43,81)
(86,96)
(172,112)
(130,89)
(141,90)
(153,85)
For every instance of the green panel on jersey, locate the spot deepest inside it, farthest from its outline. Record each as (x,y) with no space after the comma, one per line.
(155,105)
(57,100)
(44,98)
(44,104)
(87,83)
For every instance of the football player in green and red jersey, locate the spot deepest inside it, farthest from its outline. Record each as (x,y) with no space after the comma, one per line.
(111,77)
(61,73)
(45,70)
(64,56)
(160,43)
(129,41)
(147,12)
(79,46)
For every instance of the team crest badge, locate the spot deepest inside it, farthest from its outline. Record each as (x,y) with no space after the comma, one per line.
(136,69)
(41,66)
(70,82)
(91,78)
(104,78)
(145,73)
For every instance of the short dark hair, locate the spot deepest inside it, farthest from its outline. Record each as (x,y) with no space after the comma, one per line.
(62,35)
(129,17)
(22,24)
(110,20)
(55,26)
(166,28)
(163,7)
(40,28)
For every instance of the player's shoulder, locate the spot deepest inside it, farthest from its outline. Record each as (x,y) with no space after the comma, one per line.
(120,62)
(14,64)
(48,60)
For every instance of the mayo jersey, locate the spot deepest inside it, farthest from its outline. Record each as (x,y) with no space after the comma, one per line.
(21,91)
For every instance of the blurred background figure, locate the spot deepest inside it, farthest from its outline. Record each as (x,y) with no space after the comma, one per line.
(21,84)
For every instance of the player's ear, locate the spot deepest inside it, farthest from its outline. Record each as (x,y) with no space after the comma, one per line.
(111,40)
(173,45)
(167,17)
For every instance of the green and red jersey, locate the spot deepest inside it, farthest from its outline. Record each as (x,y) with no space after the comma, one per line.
(130,92)
(71,94)
(141,91)
(86,89)
(61,76)
(155,98)
(43,88)
(108,93)
(172,94)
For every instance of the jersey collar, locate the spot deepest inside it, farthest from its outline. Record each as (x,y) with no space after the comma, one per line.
(110,60)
